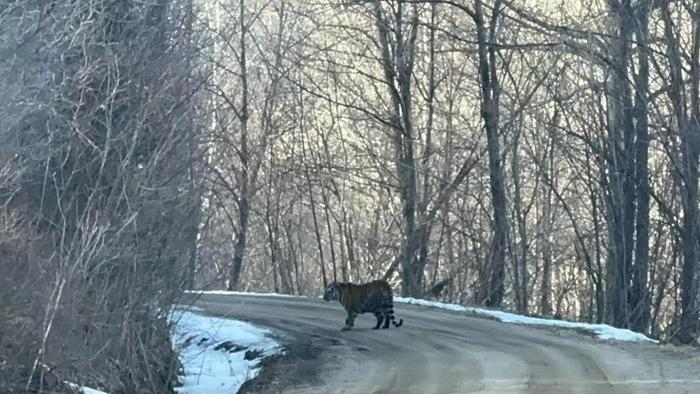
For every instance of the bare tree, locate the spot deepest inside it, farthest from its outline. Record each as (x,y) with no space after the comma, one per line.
(104,124)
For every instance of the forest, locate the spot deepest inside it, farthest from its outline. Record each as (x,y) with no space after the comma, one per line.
(536,156)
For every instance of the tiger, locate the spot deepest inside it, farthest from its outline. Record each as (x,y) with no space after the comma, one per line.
(375,297)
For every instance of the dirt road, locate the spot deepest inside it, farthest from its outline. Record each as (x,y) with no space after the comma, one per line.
(439,351)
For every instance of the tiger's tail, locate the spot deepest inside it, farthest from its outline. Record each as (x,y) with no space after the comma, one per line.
(393,321)
(393,318)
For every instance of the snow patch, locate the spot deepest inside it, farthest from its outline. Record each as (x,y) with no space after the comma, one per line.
(83,389)
(219,355)
(602,331)
(227,292)
(88,390)
(434,304)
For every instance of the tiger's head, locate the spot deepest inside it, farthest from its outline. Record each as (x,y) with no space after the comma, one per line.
(332,292)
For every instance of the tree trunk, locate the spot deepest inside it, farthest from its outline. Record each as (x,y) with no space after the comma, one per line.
(272,226)
(242,200)
(493,289)
(640,300)
(398,69)
(314,216)
(243,177)
(688,130)
(546,233)
(329,228)
(239,246)
(621,184)
(426,224)
(520,272)
(597,275)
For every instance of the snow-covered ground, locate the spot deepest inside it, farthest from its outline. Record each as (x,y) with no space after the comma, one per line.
(602,331)
(227,292)
(84,390)
(88,390)
(219,355)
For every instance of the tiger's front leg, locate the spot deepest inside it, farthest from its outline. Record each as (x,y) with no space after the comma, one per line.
(350,320)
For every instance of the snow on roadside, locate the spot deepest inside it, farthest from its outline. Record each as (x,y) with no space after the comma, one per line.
(218,355)
(83,389)
(602,331)
(227,292)
(434,304)
(88,390)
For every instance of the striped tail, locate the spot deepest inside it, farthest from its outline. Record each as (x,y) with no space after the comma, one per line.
(393,319)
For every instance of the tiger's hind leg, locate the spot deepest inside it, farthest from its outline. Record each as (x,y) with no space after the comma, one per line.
(350,321)
(380,319)
(387,317)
